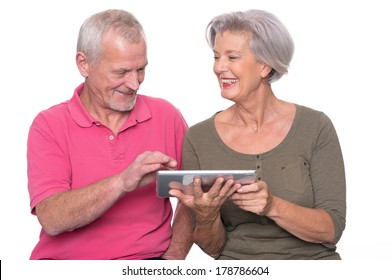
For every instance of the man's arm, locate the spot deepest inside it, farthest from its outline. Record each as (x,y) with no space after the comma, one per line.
(73,209)
(70,210)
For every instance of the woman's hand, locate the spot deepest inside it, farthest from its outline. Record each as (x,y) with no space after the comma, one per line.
(254,198)
(206,205)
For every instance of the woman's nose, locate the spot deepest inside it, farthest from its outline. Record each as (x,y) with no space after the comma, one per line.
(220,66)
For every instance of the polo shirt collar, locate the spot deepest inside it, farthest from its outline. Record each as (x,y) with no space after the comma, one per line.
(80,115)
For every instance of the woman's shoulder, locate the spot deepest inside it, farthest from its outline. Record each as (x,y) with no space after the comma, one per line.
(202,127)
(311,114)
(312,119)
(204,123)
(308,110)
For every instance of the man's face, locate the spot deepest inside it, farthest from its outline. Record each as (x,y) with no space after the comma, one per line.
(113,82)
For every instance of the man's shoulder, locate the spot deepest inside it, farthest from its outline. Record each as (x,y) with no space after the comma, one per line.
(154,101)
(54,111)
(157,105)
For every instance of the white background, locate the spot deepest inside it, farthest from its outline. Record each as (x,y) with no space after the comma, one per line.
(340,66)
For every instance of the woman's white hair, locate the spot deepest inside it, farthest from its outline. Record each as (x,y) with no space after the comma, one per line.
(269,39)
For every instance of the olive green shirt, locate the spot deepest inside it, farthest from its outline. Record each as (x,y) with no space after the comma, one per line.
(306,168)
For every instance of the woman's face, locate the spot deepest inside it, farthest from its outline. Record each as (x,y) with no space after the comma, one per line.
(239,73)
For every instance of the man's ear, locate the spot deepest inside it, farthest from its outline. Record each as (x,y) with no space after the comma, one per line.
(82,64)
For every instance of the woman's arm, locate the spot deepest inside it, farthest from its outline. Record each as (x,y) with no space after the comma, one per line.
(209,233)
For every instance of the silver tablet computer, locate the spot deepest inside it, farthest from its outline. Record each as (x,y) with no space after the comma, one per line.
(183,179)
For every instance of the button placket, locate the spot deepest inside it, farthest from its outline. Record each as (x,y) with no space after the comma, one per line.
(258,167)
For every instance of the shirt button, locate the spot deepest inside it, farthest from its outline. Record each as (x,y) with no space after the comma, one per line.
(111,137)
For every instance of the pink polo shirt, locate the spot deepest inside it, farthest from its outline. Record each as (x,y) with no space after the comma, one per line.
(68,149)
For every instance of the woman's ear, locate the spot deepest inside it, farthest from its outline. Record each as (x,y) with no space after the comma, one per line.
(265,70)
(82,64)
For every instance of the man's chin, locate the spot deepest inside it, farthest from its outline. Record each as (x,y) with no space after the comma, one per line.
(124,107)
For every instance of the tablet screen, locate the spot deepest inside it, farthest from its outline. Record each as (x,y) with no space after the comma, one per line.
(183,179)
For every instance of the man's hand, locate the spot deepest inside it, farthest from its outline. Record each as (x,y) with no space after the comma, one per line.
(142,171)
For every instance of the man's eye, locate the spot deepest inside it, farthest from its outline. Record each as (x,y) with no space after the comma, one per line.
(233,57)
(216,57)
(120,73)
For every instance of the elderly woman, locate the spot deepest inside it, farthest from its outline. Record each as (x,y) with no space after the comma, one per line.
(296,209)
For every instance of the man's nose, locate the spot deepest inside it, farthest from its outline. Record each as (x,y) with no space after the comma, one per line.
(132,81)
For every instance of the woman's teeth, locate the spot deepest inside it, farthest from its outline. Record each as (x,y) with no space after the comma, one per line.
(229,81)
